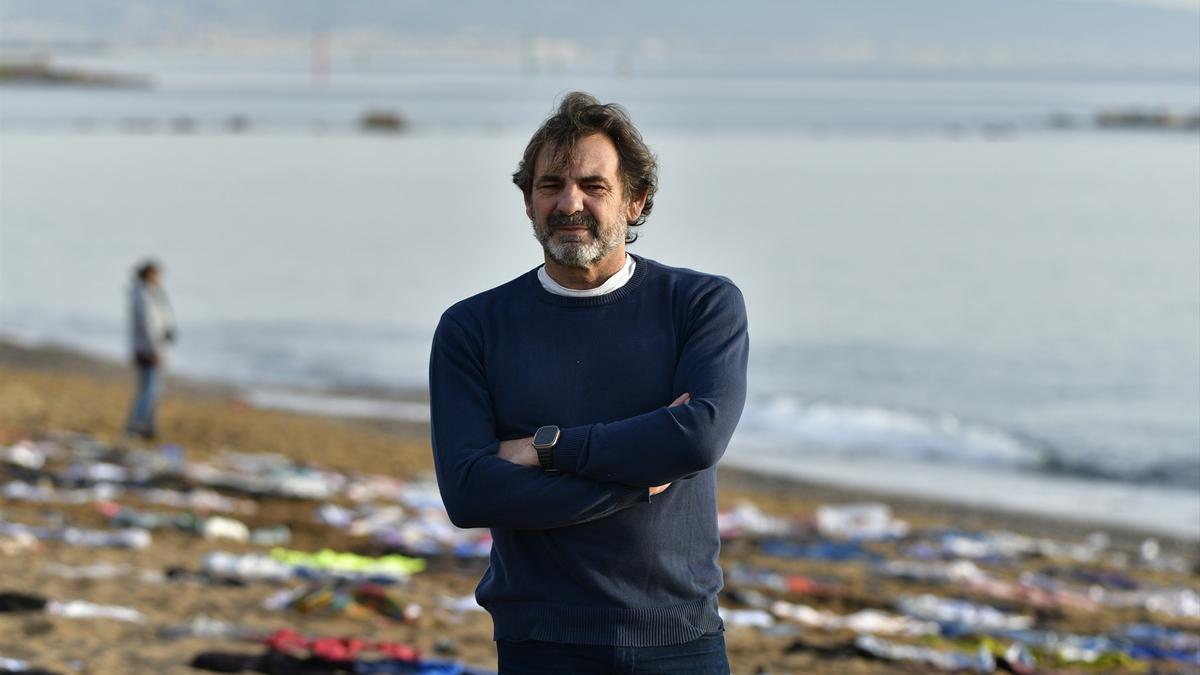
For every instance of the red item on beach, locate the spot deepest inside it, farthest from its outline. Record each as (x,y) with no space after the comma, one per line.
(336,648)
(286,640)
(398,651)
(802,585)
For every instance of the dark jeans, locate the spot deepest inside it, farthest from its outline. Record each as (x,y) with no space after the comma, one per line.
(703,656)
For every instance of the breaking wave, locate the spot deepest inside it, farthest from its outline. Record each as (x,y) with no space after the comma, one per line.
(875,431)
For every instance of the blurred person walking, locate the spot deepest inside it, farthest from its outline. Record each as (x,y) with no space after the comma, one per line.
(152,329)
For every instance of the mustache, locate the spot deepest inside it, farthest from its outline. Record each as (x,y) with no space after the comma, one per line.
(581,219)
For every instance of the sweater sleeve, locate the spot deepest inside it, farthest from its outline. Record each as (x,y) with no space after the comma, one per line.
(667,444)
(480,489)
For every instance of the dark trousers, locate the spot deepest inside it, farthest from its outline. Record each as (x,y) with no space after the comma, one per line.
(703,656)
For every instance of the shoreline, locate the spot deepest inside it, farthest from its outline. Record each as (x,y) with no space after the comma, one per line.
(1031,500)
(367,406)
(966,517)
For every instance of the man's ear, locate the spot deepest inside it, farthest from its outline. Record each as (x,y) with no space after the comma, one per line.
(528,206)
(633,210)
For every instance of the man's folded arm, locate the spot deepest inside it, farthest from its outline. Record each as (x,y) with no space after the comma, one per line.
(670,443)
(480,489)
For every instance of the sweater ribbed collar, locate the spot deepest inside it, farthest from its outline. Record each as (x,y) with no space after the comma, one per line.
(640,271)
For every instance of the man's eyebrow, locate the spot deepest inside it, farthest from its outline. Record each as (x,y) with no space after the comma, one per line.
(594,179)
(548,177)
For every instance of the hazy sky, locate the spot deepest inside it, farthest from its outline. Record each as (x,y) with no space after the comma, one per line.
(1193,5)
(1083,37)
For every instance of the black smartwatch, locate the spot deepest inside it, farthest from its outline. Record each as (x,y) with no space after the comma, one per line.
(544,441)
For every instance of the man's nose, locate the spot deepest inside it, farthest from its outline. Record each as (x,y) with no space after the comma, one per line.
(570,200)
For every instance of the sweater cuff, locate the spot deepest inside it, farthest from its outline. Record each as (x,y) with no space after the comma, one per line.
(568,452)
(635,495)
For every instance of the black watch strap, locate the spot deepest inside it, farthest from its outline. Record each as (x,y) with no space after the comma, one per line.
(546,458)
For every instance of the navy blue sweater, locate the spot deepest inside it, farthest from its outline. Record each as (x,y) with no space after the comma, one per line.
(584,556)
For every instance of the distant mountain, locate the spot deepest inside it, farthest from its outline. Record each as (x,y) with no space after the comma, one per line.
(1157,38)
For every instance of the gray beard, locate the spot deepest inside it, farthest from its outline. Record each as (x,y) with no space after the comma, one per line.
(577,253)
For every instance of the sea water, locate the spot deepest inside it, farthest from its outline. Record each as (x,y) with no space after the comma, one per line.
(950,299)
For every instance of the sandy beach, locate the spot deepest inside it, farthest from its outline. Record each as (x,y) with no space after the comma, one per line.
(46,391)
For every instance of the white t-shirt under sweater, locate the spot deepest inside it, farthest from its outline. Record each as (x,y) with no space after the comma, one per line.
(614,282)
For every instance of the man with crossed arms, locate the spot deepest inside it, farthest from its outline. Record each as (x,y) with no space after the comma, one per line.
(579,411)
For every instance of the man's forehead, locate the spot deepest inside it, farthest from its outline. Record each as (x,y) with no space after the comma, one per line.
(591,155)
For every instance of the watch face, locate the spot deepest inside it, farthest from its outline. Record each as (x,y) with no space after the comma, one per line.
(545,436)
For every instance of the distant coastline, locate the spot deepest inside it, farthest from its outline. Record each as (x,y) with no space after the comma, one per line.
(43,73)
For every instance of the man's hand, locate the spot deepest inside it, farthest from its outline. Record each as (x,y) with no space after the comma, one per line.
(519,451)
